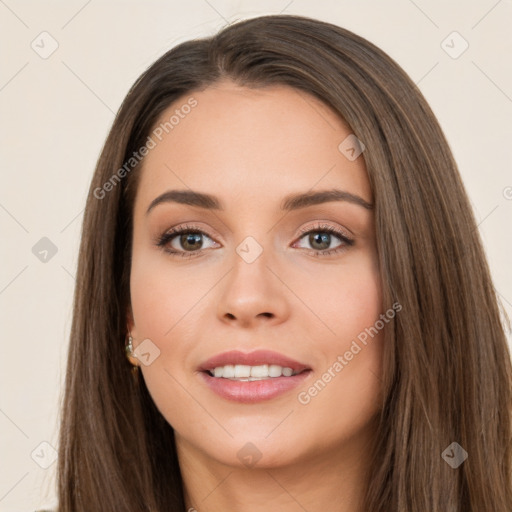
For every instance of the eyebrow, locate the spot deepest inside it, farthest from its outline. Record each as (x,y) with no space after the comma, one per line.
(290,202)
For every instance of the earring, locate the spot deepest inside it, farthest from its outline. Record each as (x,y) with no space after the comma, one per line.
(130,354)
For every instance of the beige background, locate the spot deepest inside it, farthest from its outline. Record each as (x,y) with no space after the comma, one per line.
(56,112)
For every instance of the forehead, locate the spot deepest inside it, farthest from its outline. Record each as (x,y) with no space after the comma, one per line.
(239,142)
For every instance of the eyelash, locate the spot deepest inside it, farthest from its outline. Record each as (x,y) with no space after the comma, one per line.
(168,236)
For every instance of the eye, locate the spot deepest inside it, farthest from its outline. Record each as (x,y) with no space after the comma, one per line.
(186,241)
(320,238)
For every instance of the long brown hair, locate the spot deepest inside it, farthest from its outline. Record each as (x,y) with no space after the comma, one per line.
(447,366)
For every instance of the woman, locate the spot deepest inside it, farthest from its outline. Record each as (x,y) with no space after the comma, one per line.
(278,236)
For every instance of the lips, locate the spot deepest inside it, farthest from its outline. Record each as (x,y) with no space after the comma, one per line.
(247,391)
(256,358)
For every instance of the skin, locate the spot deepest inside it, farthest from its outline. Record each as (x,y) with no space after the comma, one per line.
(250,148)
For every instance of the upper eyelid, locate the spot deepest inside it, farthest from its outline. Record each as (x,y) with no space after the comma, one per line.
(325,226)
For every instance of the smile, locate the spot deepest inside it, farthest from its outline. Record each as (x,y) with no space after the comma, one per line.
(253,377)
(249,373)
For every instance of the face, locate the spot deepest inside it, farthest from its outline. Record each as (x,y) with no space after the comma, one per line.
(291,285)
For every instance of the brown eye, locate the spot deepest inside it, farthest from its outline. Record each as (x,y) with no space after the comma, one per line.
(320,241)
(184,241)
(321,238)
(190,241)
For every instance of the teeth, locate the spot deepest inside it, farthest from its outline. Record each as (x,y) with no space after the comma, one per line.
(274,370)
(249,373)
(227,371)
(242,371)
(259,371)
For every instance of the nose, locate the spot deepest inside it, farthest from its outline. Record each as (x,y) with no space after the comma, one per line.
(252,294)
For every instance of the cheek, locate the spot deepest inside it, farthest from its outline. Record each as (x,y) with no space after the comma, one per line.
(164,294)
(344,299)
(345,391)
(164,301)
(167,302)
(360,304)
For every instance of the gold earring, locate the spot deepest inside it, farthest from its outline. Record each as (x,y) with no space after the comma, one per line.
(131,356)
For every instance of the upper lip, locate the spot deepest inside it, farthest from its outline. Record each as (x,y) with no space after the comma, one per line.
(256,358)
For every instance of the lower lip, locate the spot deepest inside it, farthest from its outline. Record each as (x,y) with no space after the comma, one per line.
(253,391)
